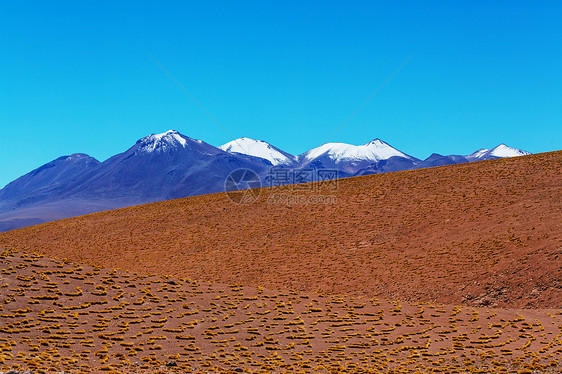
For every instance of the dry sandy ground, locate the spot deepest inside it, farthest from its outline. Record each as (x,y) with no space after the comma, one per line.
(57,315)
(481,234)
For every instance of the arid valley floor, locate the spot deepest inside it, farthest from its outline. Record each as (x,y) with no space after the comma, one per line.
(448,269)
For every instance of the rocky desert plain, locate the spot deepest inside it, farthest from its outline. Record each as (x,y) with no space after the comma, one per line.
(453,269)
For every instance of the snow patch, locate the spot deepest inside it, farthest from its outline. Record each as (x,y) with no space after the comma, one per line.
(258,148)
(77,156)
(503,150)
(162,142)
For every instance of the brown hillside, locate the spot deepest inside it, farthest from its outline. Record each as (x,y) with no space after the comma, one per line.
(484,233)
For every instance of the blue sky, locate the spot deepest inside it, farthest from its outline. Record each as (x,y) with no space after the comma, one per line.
(77,76)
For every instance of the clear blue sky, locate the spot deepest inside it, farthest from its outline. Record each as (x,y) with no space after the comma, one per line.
(76,76)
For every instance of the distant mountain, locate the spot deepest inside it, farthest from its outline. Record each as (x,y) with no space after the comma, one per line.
(372,157)
(439,160)
(261,149)
(157,167)
(374,151)
(47,181)
(26,200)
(171,165)
(500,151)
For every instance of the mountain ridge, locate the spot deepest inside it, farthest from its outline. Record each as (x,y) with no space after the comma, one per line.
(171,165)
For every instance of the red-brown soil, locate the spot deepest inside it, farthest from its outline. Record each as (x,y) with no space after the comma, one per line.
(56,315)
(483,234)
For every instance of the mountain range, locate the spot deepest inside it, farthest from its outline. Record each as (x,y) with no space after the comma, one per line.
(171,165)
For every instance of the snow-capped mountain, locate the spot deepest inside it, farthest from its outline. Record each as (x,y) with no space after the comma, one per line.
(370,158)
(157,167)
(261,149)
(374,151)
(163,166)
(171,165)
(171,141)
(501,151)
(162,142)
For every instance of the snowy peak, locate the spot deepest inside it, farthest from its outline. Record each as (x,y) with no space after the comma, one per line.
(503,150)
(500,151)
(168,140)
(376,150)
(259,148)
